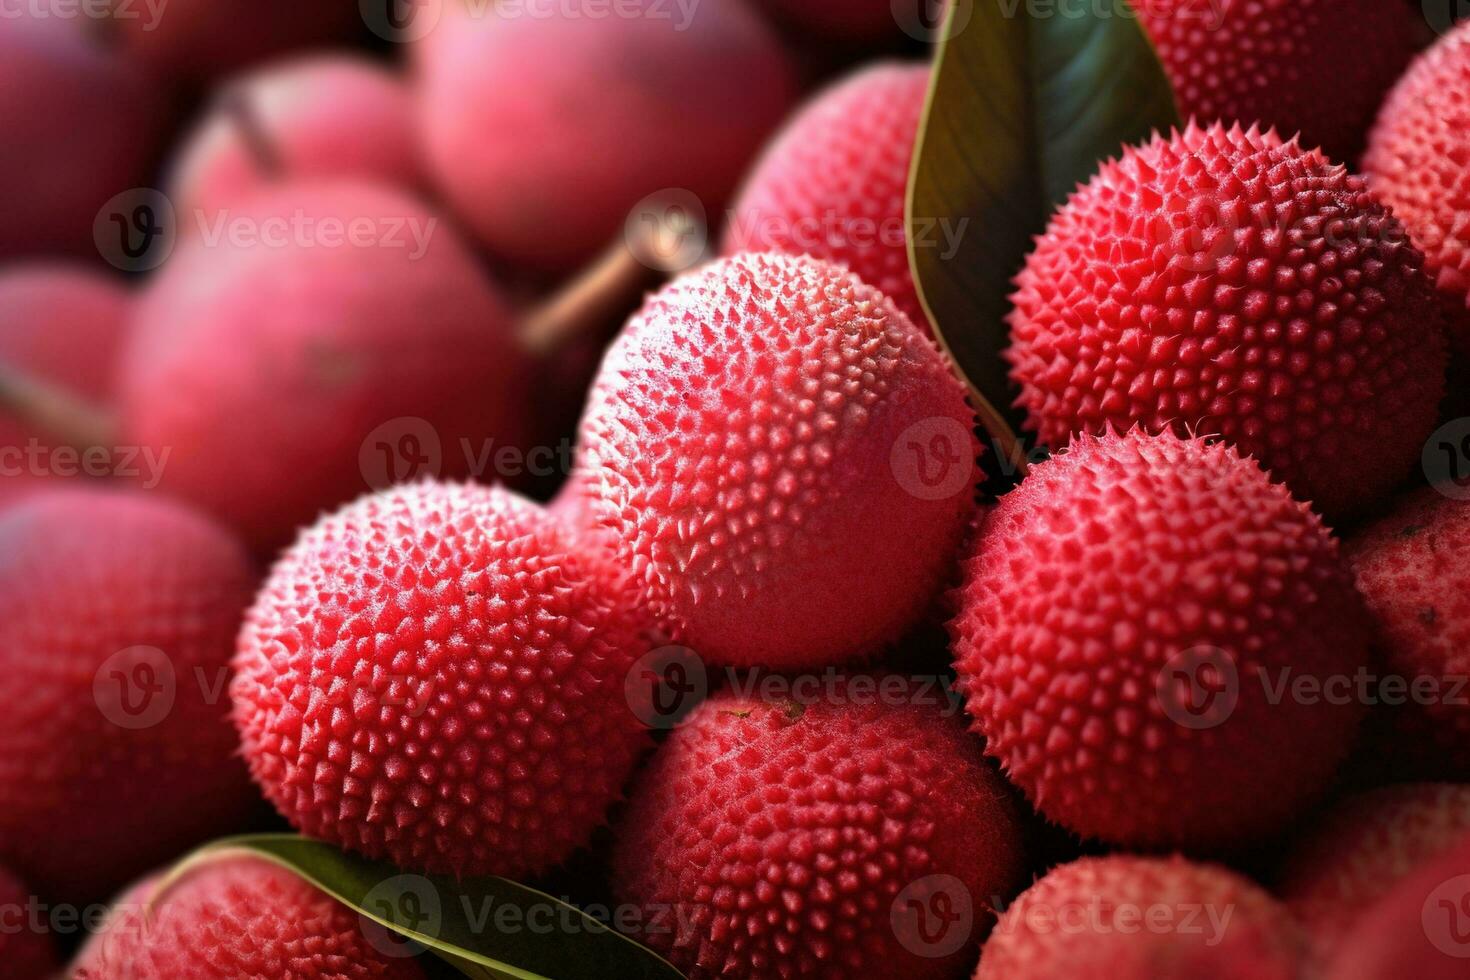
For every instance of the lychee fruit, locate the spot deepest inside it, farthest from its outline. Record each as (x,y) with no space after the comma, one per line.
(787,462)
(1315,67)
(25,949)
(1365,845)
(1221,282)
(117,615)
(605,111)
(832,185)
(837,835)
(236,916)
(1130,626)
(1418,162)
(1141,918)
(316,116)
(435,675)
(1413,568)
(291,364)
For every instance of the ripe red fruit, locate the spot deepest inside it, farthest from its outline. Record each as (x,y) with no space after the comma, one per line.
(435,675)
(1418,162)
(117,614)
(1363,847)
(1221,282)
(329,115)
(1124,617)
(26,953)
(266,365)
(237,917)
(789,838)
(80,123)
(604,112)
(1318,67)
(751,439)
(1139,918)
(833,183)
(1411,568)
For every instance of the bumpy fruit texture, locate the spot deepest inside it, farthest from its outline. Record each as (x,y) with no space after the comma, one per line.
(26,953)
(1222,282)
(750,441)
(833,183)
(1413,568)
(790,838)
(64,325)
(80,123)
(116,620)
(237,917)
(435,675)
(319,116)
(1139,918)
(290,372)
(1418,162)
(544,127)
(1123,620)
(1315,67)
(1363,847)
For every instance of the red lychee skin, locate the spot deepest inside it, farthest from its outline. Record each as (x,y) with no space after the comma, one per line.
(1140,918)
(99,778)
(833,183)
(1099,588)
(435,675)
(235,917)
(1418,162)
(740,442)
(1317,67)
(661,101)
(264,370)
(775,838)
(321,115)
(1413,569)
(63,324)
(1363,847)
(1411,931)
(26,953)
(1221,282)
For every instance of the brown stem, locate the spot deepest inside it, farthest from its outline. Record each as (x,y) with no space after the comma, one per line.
(54,412)
(236,104)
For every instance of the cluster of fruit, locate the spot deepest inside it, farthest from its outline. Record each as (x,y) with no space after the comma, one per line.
(1161,646)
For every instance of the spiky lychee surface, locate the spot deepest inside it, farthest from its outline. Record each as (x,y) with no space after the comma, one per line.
(786,838)
(1124,617)
(1318,67)
(1418,162)
(117,614)
(1413,568)
(435,675)
(785,458)
(1222,282)
(25,951)
(1363,846)
(236,917)
(833,183)
(1140,918)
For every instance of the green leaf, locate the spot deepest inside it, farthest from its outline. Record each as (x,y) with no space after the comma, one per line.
(1022,108)
(487,928)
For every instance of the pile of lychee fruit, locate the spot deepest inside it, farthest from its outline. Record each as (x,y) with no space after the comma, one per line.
(756,664)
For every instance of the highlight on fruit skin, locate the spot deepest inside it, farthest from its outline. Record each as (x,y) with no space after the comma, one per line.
(785,459)
(238,916)
(1314,67)
(810,837)
(833,182)
(117,616)
(1142,918)
(1220,281)
(435,675)
(1413,569)
(1124,618)
(1418,162)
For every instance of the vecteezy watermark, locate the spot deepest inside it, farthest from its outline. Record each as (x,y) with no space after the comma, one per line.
(837,231)
(934,459)
(925,20)
(1100,915)
(410,902)
(409,448)
(135,688)
(1446,917)
(668,230)
(1208,16)
(1198,688)
(401,21)
(664,685)
(141,464)
(933,917)
(150,12)
(136,230)
(407,21)
(1442,15)
(41,918)
(1446,459)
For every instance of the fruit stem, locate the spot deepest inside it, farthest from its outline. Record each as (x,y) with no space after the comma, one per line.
(235,103)
(57,413)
